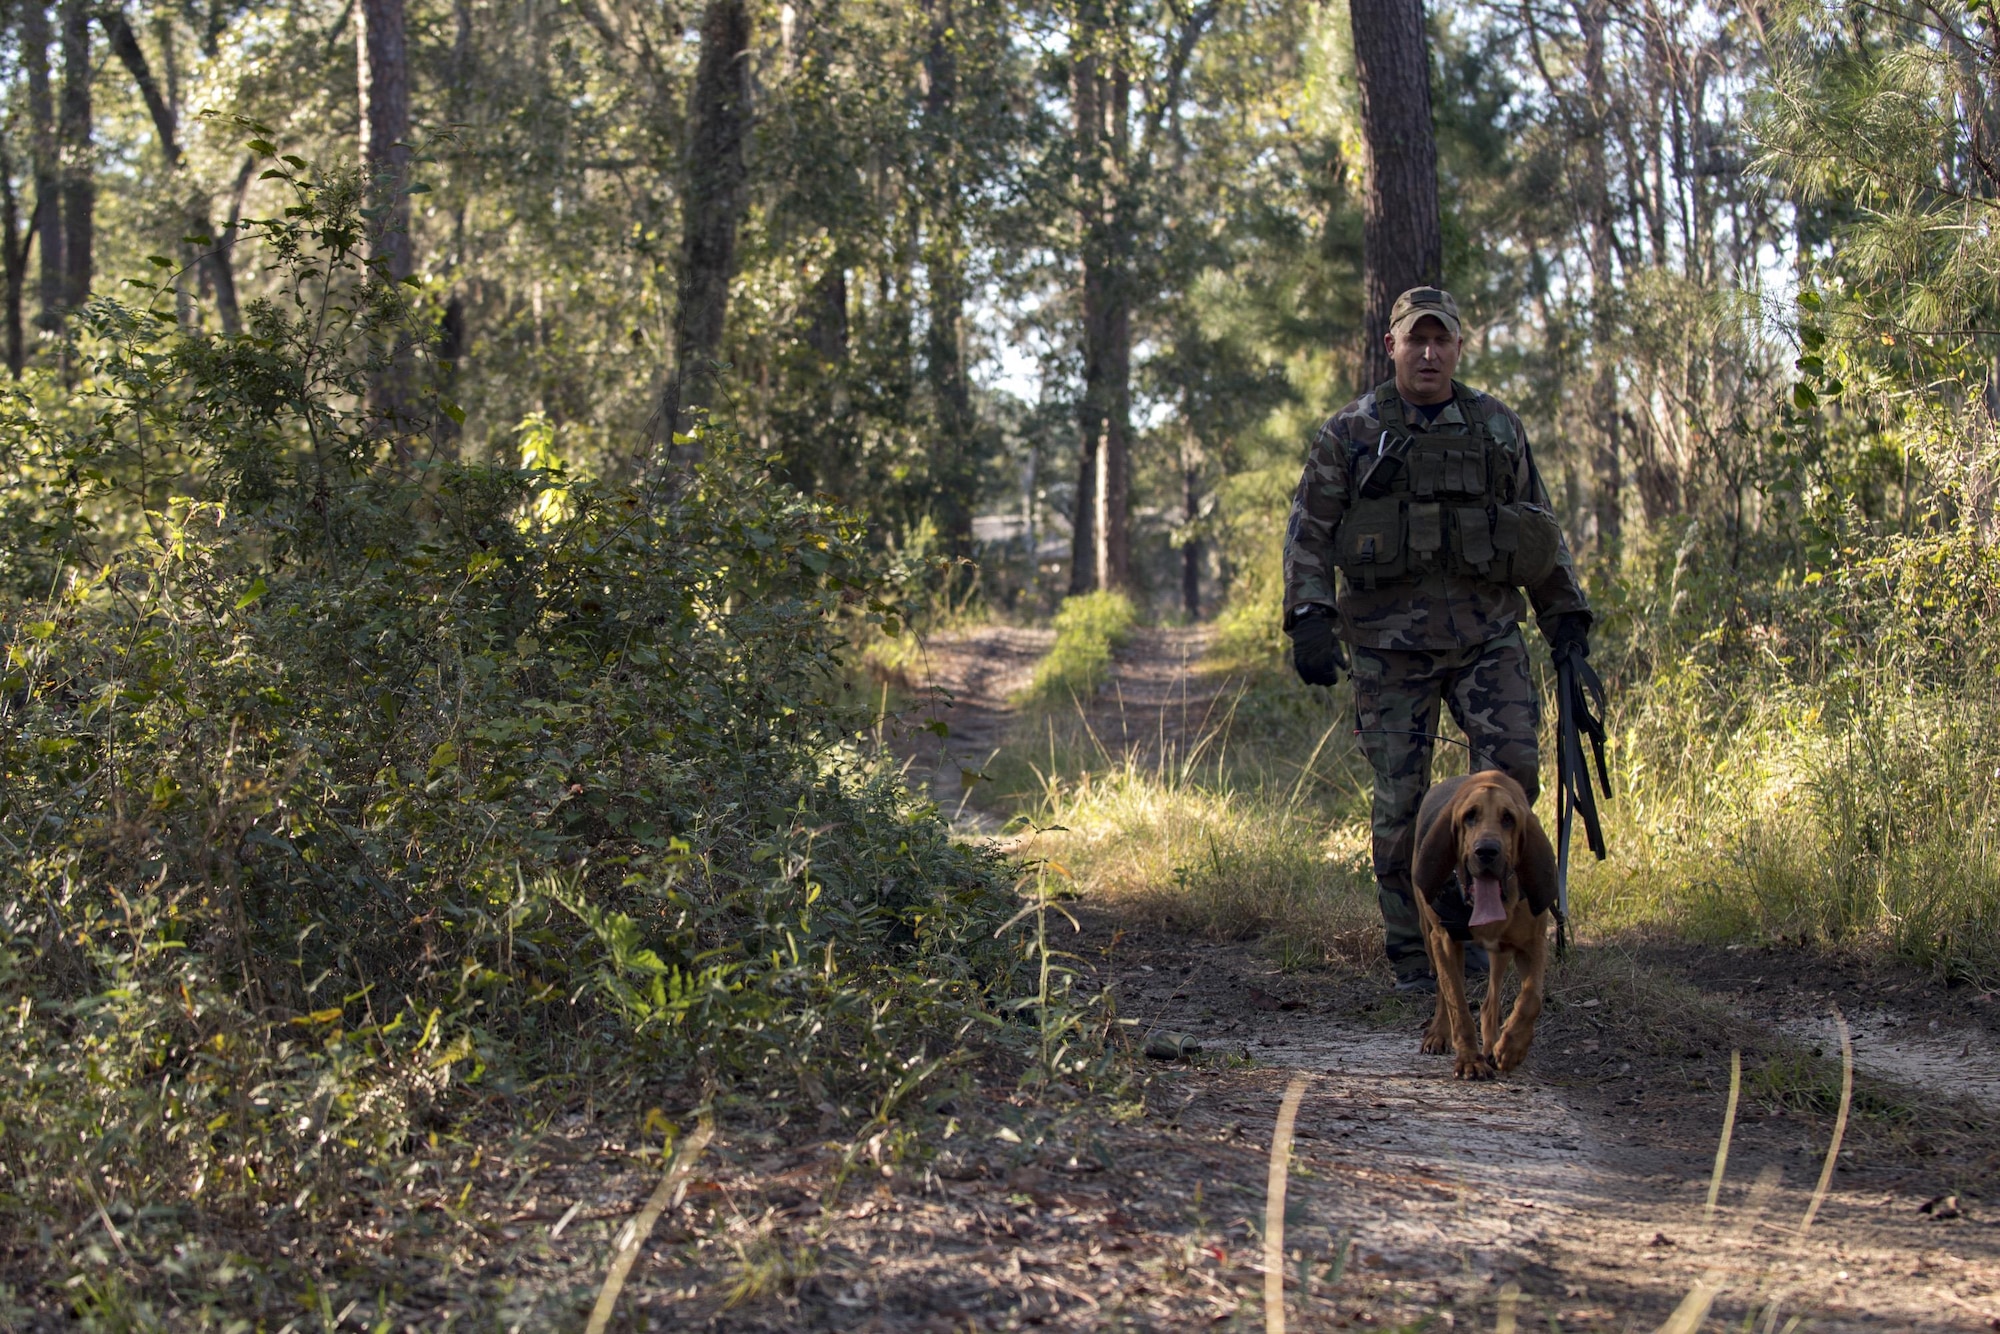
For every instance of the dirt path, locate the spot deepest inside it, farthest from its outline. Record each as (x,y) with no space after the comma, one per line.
(1571,1193)
(965,680)
(1584,1176)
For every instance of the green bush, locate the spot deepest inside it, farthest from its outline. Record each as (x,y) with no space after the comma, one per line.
(1089,628)
(338,780)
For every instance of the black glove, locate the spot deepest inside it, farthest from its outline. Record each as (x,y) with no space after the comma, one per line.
(1316,655)
(1571,630)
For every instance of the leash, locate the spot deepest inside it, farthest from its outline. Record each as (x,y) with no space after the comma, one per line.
(1577,688)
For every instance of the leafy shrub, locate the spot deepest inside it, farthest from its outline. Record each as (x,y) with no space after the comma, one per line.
(1089,627)
(340,774)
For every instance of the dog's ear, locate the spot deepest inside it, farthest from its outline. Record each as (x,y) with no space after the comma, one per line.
(1536,869)
(1437,851)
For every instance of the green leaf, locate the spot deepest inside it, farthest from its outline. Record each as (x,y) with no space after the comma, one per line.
(1811,300)
(294,161)
(256,590)
(1803,398)
(159,261)
(264,146)
(1812,365)
(444,756)
(452,410)
(417,188)
(275,175)
(40,629)
(197,238)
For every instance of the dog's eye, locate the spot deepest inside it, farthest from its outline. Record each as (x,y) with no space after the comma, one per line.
(1507,819)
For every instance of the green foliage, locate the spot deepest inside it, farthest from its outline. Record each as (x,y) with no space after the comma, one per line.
(1089,627)
(337,782)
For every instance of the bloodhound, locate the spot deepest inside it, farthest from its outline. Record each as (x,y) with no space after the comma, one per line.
(1484,871)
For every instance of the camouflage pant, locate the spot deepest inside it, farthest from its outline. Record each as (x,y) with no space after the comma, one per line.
(1396,693)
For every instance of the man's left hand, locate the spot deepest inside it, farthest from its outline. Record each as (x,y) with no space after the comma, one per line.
(1571,630)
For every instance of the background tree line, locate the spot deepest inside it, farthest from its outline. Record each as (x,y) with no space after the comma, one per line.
(1091,267)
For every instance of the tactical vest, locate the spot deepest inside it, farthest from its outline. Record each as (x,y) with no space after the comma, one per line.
(1448,505)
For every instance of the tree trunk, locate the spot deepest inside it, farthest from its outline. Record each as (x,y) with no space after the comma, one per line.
(79,185)
(1402,245)
(712,202)
(16,262)
(1608,492)
(46,155)
(1101,544)
(382,61)
(1088,120)
(954,478)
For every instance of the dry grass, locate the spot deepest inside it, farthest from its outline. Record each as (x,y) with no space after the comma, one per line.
(1210,836)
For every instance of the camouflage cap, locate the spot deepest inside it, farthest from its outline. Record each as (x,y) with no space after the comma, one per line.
(1418,302)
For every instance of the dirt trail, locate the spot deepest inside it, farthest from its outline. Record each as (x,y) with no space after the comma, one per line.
(1580,1177)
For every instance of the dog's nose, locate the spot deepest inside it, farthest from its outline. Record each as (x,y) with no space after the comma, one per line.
(1486,851)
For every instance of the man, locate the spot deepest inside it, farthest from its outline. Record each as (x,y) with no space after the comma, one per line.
(1423,496)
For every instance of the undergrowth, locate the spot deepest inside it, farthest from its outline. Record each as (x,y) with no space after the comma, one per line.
(1089,628)
(351,791)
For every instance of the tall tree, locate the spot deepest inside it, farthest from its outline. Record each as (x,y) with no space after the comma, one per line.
(214,260)
(712,203)
(1101,111)
(953,476)
(46,157)
(1402,242)
(79,178)
(382,60)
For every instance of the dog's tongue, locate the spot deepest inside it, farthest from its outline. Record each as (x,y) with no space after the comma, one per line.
(1486,906)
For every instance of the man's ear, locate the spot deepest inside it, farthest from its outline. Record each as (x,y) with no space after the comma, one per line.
(1437,854)
(1536,870)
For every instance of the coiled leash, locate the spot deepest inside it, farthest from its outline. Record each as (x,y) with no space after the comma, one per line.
(1577,688)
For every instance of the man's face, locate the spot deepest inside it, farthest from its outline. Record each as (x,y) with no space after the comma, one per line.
(1425,359)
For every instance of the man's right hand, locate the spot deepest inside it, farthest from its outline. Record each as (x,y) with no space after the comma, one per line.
(1316,655)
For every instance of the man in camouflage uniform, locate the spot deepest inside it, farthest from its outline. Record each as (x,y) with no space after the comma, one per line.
(1423,498)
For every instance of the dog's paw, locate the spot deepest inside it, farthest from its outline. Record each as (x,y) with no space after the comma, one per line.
(1509,1054)
(1473,1066)
(1435,1043)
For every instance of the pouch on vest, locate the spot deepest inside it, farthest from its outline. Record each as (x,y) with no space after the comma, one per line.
(1528,537)
(1426,532)
(1370,543)
(1475,539)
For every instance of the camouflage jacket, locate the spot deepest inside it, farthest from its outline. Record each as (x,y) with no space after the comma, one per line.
(1432,610)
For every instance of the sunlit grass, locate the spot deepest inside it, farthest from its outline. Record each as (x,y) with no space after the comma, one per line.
(1247,826)
(1869,818)
(1089,628)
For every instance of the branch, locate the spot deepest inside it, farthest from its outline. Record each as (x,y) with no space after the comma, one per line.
(1170,89)
(125,45)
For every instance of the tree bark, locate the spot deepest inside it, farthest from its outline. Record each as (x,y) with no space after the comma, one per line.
(1608,491)
(382,61)
(1088,125)
(16,262)
(46,157)
(1402,244)
(954,477)
(712,202)
(1101,541)
(79,184)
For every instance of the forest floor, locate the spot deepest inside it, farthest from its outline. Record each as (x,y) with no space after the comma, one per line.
(1568,1196)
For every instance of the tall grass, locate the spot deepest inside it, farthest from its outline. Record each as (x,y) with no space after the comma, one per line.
(1251,824)
(1866,815)
(1825,769)
(1089,628)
